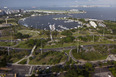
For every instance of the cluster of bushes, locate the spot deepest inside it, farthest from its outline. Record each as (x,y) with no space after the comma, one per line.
(21,36)
(103,30)
(4,58)
(54,33)
(72,18)
(90,55)
(83,20)
(49,58)
(105,49)
(69,71)
(17,55)
(66,33)
(2,21)
(37,42)
(113,69)
(95,52)
(111,25)
(88,38)
(57,58)
(23,61)
(67,39)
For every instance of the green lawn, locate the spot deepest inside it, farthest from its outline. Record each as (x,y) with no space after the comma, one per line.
(23,61)
(49,58)
(89,56)
(33,33)
(23,44)
(17,55)
(7,44)
(66,51)
(6,38)
(77,43)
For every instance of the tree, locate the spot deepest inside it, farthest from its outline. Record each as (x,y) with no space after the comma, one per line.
(4,58)
(31,42)
(68,39)
(67,33)
(55,33)
(18,35)
(21,36)
(33,75)
(38,42)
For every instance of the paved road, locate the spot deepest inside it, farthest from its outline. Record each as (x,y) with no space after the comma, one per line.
(81,62)
(31,54)
(53,49)
(27,57)
(9,40)
(68,57)
(20,70)
(58,49)
(70,54)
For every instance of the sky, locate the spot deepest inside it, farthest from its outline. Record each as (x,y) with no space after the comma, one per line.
(54,3)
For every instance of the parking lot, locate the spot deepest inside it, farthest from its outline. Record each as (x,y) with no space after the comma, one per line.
(102,72)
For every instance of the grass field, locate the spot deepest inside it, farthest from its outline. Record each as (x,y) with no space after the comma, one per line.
(7,44)
(23,61)
(49,58)
(23,44)
(34,34)
(89,56)
(17,55)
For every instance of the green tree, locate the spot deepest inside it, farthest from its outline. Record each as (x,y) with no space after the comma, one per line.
(68,39)
(67,33)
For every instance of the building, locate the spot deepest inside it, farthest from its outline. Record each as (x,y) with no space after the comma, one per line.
(101,25)
(2,12)
(52,27)
(102,72)
(93,24)
(21,10)
(74,10)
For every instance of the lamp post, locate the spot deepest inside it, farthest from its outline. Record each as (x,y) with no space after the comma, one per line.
(6,19)
(41,38)
(78,44)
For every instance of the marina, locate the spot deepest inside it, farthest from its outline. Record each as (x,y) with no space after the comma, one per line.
(92,14)
(43,22)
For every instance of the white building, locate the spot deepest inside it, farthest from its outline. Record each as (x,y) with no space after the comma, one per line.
(101,25)
(0,10)
(74,10)
(52,27)
(92,23)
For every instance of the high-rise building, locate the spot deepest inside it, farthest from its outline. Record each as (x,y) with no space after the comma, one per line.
(21,10)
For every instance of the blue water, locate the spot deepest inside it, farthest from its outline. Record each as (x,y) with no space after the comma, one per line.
(43,22)
(93,13)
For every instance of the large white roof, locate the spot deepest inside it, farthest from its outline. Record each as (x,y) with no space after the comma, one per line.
(92,23)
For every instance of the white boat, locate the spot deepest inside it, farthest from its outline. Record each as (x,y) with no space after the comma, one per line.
(69,21)
(62,27)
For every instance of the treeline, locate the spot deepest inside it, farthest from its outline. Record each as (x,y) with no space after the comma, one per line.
(68,71)
(89,38)
(111,25)
(4,58)
(21,36)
